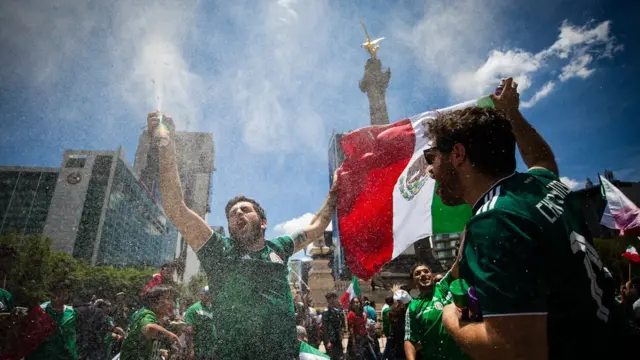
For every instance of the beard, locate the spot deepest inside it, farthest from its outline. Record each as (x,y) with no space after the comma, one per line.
(249,233)
(449,186)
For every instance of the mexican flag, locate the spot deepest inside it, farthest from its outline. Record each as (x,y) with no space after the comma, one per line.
(352,291)
(620,213)
(386,198)
(308,352)
(631,254)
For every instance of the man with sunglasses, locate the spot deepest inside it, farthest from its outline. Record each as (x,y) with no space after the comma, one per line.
(527,250)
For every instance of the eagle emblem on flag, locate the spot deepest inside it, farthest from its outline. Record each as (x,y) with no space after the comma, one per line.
(417,175)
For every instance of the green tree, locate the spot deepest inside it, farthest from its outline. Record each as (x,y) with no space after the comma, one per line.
(38,268)
(28,279)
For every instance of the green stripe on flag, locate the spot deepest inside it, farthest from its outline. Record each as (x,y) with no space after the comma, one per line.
(356,286)
(448,219)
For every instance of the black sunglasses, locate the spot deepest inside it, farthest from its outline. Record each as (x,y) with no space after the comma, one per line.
(430,153)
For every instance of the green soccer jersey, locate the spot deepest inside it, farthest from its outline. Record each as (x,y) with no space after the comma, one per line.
(527,251)
(136,346)
(423,323)
(6,301)
(201,318)
(385,321)
(252,302)
(62,344)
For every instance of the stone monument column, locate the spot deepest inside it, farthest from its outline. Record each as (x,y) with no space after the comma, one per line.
(375,81)
(320,278)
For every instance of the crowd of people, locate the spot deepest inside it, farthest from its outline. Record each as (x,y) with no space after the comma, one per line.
(534,287)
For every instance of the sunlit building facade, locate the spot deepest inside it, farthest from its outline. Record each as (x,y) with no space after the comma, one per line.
(101,214)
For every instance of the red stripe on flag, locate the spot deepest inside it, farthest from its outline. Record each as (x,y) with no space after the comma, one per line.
(632,257)
(374,159)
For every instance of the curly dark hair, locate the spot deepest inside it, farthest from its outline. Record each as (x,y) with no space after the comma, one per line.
(256,206)
(485,133)
(414,267)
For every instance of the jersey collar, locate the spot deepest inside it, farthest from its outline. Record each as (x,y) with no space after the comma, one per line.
(490,196)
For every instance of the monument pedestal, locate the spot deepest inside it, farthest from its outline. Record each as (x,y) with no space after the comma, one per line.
(320,278)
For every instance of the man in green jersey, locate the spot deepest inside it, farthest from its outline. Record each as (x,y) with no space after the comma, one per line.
(247,275)
(200,317)
(144,336)
(61,345)
(423,319)
(527,250)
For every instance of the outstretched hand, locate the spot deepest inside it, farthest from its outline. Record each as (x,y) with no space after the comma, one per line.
(153,120)
(507,98)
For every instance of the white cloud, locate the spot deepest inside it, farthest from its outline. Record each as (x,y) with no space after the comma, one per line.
(539,95)
(294,225)
(571,183)
(459,48)
(577,67)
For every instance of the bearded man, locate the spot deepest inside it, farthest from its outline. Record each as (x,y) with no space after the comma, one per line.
(527,249)
(252,304)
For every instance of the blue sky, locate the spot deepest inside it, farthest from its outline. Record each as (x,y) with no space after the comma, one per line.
(272,79)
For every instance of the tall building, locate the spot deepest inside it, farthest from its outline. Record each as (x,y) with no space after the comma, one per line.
(100,213)
(25,195)
(195,159)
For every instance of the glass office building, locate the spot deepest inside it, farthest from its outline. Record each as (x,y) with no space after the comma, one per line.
(101,214)
(25,196)
(135,230)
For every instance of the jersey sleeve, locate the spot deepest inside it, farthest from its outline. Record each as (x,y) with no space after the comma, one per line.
(505,264)
(385,321)
(189,316)
(284,246)
(148,319)
(212,249)
(542,172)
(411,325)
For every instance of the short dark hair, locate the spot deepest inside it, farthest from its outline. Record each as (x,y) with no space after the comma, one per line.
(156,293)
(171,265)
(388,300)
(414,267)
(331,295)
(240,198)
(485,133)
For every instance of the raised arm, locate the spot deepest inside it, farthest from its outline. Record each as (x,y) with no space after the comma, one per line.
(535,151)
(320,220)
(193,228)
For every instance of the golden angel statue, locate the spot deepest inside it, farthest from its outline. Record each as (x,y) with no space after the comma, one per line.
(371,46)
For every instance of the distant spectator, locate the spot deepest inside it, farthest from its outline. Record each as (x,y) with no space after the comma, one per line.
(62,344)
(388,301)
(165,276)
(372,342)
(370,308)
(332,325)
(145,332)
(357,323)
(91,327)
(199,317)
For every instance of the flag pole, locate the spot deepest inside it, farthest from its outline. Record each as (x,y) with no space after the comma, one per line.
(300,278)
